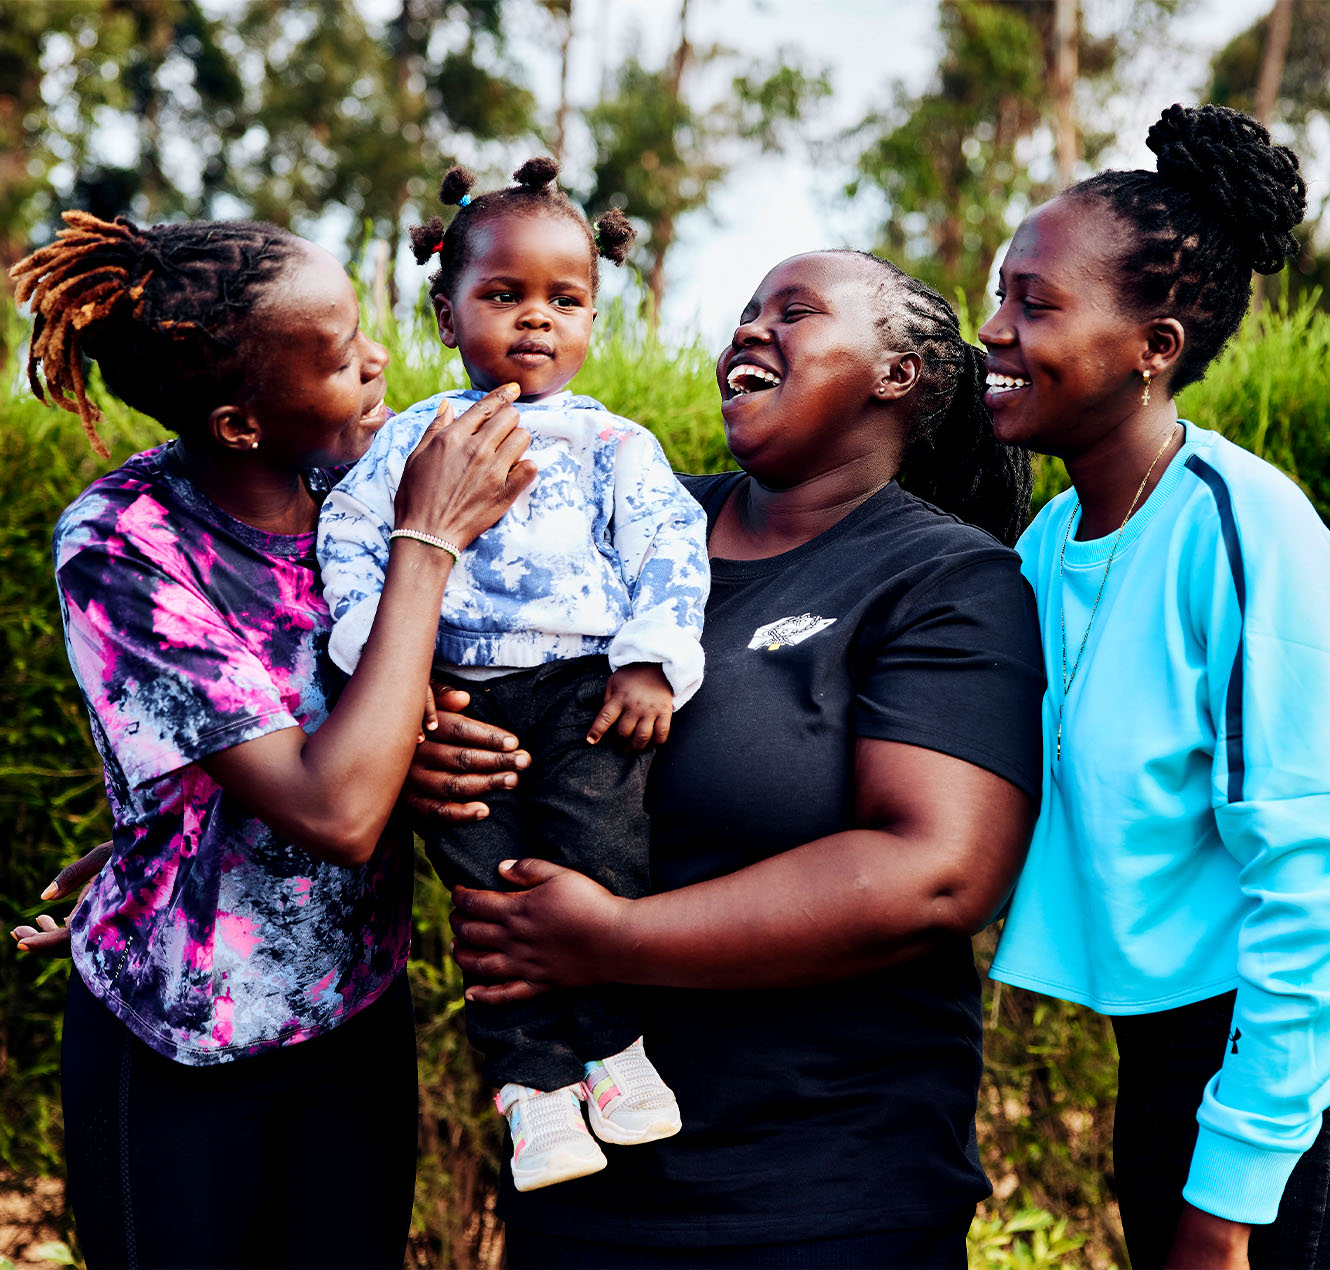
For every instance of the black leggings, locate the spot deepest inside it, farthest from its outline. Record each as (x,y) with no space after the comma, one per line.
(302,1156)
(1165,1060)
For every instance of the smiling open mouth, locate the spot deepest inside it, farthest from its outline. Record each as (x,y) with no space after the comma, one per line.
(1005,383)
(749,378)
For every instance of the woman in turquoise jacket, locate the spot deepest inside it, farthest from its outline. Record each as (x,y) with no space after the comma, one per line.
(1179,877)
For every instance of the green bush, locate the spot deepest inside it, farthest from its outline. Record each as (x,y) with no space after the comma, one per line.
(1030,1240)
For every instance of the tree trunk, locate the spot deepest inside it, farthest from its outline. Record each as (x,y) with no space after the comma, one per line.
(1272,60)
(681,53)
(1277,32)
(662,232)
(1064,83)
(561,118)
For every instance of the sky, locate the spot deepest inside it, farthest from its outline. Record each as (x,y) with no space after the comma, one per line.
(774,206)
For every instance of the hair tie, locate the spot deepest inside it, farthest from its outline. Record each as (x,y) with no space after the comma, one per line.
(464,200)
(438,246)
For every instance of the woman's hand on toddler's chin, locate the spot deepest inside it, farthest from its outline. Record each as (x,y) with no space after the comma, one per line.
(560,931)
(465,473)
(459,762)
(49,936)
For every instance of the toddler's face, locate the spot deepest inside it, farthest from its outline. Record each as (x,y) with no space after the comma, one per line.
(521,311)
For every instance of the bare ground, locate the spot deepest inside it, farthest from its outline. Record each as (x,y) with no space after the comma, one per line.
(30,1215)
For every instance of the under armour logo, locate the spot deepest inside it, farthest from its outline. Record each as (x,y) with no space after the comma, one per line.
(1235,1038)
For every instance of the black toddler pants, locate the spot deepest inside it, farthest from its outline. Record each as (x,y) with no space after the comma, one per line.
(1165,1060)
(578,805)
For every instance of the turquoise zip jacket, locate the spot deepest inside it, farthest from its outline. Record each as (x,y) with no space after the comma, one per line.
(1183,846)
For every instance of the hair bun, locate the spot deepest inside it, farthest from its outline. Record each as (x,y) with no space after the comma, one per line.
(455,184)
(614,235)
(537,172)
(1237,174)
(426,239)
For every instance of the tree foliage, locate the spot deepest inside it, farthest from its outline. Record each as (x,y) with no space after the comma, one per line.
(288,108)
(659,153)
(1301,112)
(959,165)
(70,71)
(346,115)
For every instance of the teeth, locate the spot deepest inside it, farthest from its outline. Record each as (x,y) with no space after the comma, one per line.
(746,377)
(1005,383)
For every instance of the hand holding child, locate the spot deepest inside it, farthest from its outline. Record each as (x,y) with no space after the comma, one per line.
(640,701)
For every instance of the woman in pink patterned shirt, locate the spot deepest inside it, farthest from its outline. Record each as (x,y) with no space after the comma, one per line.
(239,1061)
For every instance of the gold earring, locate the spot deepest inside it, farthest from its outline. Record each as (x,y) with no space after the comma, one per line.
(1145,396)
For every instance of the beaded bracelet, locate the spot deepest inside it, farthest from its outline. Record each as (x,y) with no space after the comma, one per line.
(430,540)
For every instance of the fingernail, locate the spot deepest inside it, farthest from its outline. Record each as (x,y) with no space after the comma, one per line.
(420,737)
(509,743)
(507,864)
(429,727)
(50,892)
(470,996)
(509,781)
(522,760)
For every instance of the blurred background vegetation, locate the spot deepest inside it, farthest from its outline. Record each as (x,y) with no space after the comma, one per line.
(338,117)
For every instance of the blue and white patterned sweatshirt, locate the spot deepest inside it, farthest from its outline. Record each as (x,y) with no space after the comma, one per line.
(604,553)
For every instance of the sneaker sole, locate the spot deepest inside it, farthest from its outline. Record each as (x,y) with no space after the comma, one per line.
(560,1167)
(666,1125)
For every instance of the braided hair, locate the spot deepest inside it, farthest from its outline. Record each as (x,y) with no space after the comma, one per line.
(534,194)
(1222,204)
(952,458)
(160,310)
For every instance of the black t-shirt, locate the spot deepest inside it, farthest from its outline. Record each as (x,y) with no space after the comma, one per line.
(846,1107)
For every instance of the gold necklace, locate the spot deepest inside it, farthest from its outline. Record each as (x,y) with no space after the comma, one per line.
(1067,679)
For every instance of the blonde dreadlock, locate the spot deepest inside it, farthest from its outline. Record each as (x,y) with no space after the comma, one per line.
(168,299)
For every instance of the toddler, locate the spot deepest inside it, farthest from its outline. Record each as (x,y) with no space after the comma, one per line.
(580,611)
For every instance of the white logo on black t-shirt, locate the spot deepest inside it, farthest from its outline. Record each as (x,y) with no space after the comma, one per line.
(788,630)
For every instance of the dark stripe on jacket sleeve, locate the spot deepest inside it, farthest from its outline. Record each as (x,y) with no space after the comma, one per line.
(1233,547)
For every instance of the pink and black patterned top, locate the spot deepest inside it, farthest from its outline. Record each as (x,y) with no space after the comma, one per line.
(189,632)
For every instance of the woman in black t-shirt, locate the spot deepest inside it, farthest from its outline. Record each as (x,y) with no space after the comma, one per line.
(846,802)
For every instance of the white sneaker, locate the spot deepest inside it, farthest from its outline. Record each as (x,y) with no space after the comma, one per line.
(627,1101)
(550,1139)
